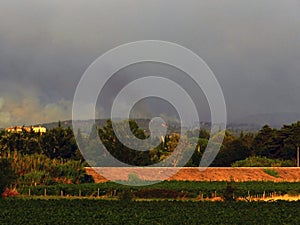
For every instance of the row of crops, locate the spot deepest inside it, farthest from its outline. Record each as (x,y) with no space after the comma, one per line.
(182,188)
(92,211)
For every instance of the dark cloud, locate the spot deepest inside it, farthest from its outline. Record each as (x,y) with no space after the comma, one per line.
(45,46)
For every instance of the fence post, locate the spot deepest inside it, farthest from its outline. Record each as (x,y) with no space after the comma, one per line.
(29,193)
(98,192)
(45,192)
(61,193)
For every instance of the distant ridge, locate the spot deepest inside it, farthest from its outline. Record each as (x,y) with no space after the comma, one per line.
(86,124)
(272,119)
(248,123)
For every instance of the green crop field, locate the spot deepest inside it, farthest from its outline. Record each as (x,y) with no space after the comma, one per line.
(187,188)
(92,211)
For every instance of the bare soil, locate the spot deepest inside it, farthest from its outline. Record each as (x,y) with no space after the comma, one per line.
(239,174)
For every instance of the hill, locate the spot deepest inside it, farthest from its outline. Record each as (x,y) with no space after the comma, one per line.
(272,119)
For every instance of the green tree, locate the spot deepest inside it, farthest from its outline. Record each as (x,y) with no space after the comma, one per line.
(290,140)
(197,155)
(266,142)
(59,143)
(7,174)
(118,149)
(233,149)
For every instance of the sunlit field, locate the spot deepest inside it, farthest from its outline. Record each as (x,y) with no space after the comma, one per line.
(88,211)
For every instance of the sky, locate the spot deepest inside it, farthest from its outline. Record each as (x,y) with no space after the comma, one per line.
(45,47)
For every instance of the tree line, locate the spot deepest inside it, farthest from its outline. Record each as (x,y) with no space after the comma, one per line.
(32,158)
(60,143)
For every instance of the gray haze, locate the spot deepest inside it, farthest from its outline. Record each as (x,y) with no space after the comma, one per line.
(253,47)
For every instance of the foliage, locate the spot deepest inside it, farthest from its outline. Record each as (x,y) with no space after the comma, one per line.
(190,189)
(125,195)
(281,144)
(38,169)
(268,144)
(9,193)
(134,179)
(228,194)
(56,143)
(264,143)
(160,193)
(7,175)
(120,150)
(257,161)
(40,159)
(91,211)
(130,156)
(59,143)
(233,149)
(271,172)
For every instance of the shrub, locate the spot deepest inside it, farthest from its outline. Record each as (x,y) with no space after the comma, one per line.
(271,172)
(9,193)
(126,195)
(256,161)
(228,194)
